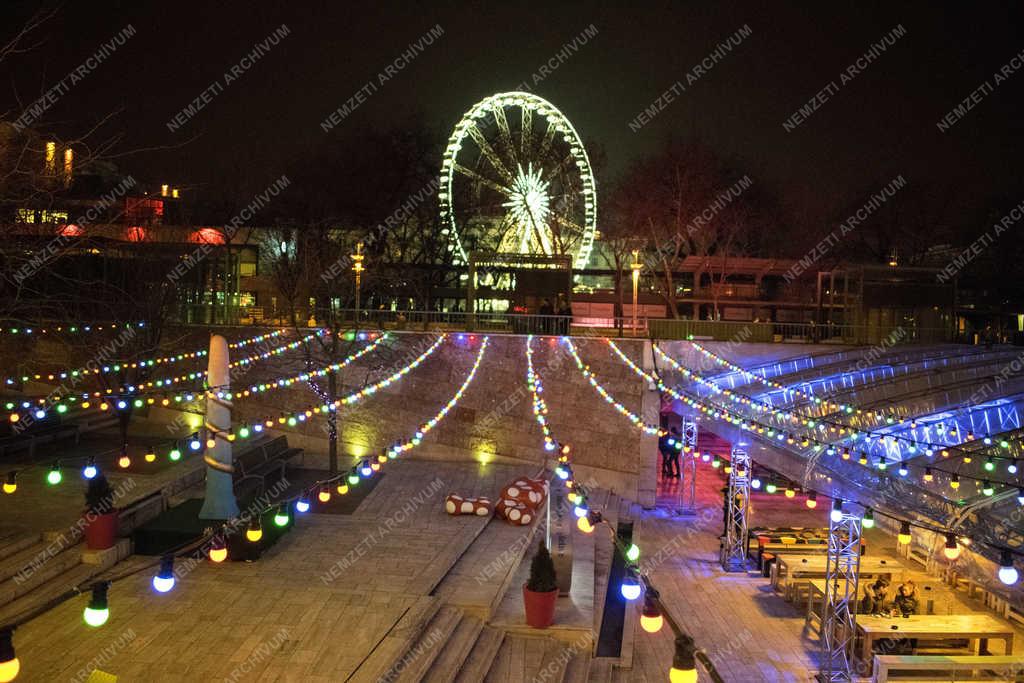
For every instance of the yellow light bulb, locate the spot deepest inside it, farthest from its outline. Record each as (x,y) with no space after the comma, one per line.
(10,488)
(124,462)
(254,534)
(211,442)
(952,553)
(790,493)
(324,496)
(682,675)
(218,554)
(9,670)
(584,525)
(150,457)
(651,624)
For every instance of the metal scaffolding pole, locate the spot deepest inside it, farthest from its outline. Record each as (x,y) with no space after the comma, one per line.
(689,463)
(839,611)
(737,504)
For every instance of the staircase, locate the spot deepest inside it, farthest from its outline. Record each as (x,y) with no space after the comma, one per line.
(455,646)
(37,568)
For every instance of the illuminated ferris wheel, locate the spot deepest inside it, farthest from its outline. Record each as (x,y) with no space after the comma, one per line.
(516,179)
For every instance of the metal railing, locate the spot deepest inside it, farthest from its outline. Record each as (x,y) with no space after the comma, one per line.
(657,328)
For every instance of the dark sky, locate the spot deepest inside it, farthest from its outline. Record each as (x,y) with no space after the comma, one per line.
(880,124)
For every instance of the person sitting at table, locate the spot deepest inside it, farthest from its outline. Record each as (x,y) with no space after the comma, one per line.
(875,597)
(905,601)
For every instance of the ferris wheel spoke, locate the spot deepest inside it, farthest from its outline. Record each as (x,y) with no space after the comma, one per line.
(470,173)
(505,135)
(526,120)
(557,167)
(488,151)
(549,135)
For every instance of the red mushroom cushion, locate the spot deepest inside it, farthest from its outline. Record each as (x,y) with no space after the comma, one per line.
(529,492)
(459,505)
(515,512)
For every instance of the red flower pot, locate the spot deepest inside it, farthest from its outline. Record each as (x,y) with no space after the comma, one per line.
(101,530)
(540,607)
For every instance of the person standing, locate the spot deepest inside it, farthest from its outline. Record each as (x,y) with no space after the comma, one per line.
(673,456)
(546,312)
(564,311)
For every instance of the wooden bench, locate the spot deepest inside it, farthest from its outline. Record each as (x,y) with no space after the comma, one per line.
(263,466)
(942,667)
(47,433)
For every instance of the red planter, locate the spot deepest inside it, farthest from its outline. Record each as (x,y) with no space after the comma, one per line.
(101,531)
(540,607)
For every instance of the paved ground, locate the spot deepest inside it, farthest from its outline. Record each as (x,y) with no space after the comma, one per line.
(310,610)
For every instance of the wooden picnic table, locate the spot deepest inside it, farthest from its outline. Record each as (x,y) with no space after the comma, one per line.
(816,597)
(789,568)
(978,627)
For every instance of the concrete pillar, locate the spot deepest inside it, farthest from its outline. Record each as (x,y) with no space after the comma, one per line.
(220,500)
(650,412)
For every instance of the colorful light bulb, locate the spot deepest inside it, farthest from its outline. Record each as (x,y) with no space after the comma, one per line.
(54,476)
(98,611)
(630,588)
(1007,572)
(281,516)
(952,549)
(164,580)
(904,535)
(651,619)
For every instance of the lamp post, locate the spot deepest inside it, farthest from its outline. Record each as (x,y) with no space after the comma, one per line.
(358,268)
(636,267)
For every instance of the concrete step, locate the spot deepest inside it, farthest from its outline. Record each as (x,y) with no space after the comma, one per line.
(481,657)
(600,670)
(412,666)
(448,663)
(578,668)
(35,566)
(18,553)
(13,541)
(399,640)
(76,574)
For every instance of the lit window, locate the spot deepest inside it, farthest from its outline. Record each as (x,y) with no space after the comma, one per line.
(207,236)
(247,269)
(26,216)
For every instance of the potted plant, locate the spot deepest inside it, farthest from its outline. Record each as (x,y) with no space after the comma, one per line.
(100,514)
(541,591)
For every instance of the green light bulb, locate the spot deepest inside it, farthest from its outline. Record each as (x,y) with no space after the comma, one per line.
(96,617)
(175,454)
(54,477)
(633,553)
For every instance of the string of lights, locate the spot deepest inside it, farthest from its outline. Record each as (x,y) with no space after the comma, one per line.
(717,412)
(25,328)
(40,407)
(684,661)
(913,445)
(954,542)
(889,419)
(97,611)
(131,365)
(196,444)
(806,441)
(321,372)
(650,429)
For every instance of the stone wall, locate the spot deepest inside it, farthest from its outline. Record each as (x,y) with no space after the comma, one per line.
(494,421)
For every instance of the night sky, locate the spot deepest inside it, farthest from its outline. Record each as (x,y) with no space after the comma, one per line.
(881,123)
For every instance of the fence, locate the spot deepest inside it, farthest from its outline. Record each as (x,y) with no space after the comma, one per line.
(656,328)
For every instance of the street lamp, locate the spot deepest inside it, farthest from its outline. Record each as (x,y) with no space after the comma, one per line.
(358,268)
(636,267)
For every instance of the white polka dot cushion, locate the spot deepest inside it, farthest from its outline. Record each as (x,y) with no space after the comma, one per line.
(529,492)
(515,512)
(458,505)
